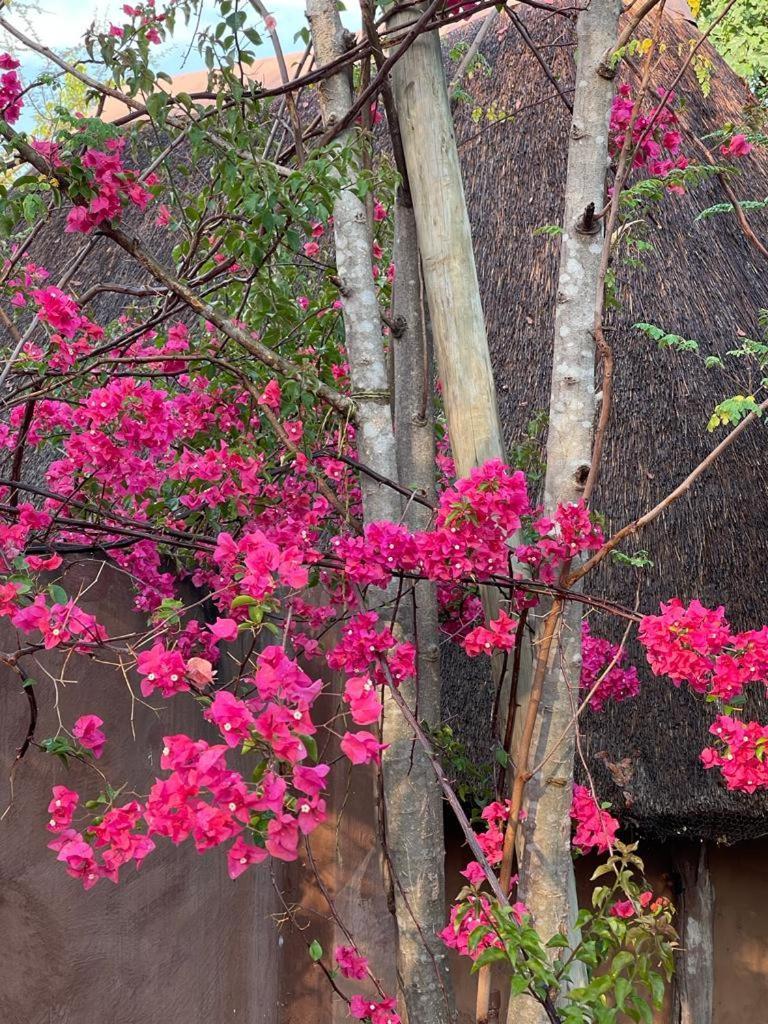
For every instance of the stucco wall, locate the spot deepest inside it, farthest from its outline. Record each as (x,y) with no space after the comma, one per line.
(178,943)
(740,880)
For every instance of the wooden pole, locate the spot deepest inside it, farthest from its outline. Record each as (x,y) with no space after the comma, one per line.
(694,977)
(447,257)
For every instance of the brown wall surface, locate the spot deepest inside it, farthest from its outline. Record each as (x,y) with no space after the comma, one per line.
(176,943)
(740,880)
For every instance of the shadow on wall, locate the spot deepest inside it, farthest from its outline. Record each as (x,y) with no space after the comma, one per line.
(177,942)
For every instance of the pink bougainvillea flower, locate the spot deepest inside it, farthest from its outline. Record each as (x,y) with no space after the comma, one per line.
(271,396)
(241,855)
(294,430)
(361,1007)
(498,636)
(44,563)
(310,813)
(224,629)
(360,694)
(310,779)
(595,828)
(62,808)
(351,963)
(362,747)
(161,669)
(737,146)
(231,716)
(87,732)
(79,859)
(283,837)
(623,908)
(474,873)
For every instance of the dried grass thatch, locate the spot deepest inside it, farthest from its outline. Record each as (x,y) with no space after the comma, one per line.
(703,281)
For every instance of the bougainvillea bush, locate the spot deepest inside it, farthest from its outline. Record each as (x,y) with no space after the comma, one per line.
(205,440)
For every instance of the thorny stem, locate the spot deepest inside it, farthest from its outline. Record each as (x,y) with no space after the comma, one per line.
(655,512)
(744,224)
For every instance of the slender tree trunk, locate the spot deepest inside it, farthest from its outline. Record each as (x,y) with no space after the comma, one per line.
(360,307)
(546,864)
(412,800)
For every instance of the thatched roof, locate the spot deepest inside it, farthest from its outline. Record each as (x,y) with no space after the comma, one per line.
(702,281)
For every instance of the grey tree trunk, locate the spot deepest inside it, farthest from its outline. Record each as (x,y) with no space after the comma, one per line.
(546,866)
(411,796)
(360,307)
(413,800)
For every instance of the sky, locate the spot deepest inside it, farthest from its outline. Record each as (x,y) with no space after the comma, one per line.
(61,24)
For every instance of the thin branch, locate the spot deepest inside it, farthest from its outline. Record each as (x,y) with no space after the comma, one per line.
(744,224)
(644,520)
(526,37)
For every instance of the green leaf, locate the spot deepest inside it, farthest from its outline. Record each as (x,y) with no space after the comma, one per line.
(477,935)
(621,961)
(621,990)
(491,955)
(58,594)
(657,988)
(310,743)
(315,951)
(502,757)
